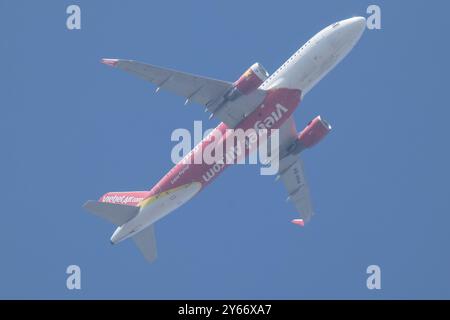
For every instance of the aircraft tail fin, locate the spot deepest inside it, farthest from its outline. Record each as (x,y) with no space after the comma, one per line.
(115,213)
(119,208)
(146,242)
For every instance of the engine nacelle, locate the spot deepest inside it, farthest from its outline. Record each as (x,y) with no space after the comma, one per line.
(314,132)
(249,81)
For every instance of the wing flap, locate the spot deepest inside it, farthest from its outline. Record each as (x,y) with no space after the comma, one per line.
(293,177)
(292,174)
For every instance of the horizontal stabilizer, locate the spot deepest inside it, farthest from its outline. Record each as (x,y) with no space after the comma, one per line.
(115,213)
(146,242)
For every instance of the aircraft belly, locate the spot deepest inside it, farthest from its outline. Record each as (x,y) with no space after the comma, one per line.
(168,201)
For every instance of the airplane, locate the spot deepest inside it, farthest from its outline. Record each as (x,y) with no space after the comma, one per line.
(245,103)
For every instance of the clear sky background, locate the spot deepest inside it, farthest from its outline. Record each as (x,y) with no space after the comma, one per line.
(72,129)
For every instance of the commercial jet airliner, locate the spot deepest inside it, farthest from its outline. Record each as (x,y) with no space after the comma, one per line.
(255,100)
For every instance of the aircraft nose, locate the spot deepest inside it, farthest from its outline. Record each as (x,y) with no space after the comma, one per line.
(353,28)
(346,33)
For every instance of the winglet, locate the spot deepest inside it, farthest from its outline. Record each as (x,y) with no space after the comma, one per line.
(110,62)
(298,222)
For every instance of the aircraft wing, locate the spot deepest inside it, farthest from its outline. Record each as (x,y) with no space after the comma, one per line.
(194,88)
(204,91)
(291,173)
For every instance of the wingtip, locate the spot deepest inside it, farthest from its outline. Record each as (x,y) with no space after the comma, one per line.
(88,204)
(110,62)
(299,222)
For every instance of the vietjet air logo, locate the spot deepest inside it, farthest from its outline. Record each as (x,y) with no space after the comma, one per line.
(272,119)
(123,199)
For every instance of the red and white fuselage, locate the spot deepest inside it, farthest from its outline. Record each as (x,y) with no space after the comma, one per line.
(285,89)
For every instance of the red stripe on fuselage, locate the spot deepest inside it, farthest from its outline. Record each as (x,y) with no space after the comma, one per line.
(277,107)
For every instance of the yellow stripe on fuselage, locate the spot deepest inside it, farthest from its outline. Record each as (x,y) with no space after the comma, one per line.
(152,199)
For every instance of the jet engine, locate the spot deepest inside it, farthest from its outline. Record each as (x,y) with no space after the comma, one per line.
(314,132)
(250,80)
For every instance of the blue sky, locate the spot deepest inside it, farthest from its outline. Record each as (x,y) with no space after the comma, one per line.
(72,129)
